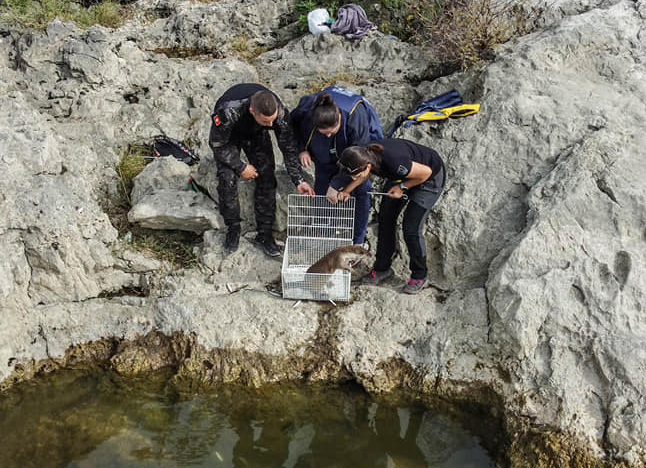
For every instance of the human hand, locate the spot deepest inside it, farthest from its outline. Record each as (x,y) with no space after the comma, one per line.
(306,158)
(332,195)
(305,189)
(395,192)
(342,196)
(249,172)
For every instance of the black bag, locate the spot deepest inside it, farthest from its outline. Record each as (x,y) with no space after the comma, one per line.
(166,146)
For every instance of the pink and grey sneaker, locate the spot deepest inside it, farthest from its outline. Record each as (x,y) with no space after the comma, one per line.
(375,277)
(414,286)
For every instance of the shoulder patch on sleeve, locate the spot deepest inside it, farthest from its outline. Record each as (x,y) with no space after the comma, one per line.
(401,170)
(216,120)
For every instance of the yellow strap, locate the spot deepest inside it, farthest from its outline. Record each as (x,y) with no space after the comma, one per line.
(355,106)
(310,138)
(431,115)
(456,111)
(462,111)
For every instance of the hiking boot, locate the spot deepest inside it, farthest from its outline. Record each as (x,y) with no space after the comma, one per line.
(414,286)
(268,245)
(232,240)
(375,277)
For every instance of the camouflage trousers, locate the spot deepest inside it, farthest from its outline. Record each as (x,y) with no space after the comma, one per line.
(260,154)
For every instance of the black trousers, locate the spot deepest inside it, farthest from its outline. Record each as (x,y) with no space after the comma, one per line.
(260,154)
(421,200)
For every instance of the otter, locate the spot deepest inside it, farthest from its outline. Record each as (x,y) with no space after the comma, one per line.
(341,258)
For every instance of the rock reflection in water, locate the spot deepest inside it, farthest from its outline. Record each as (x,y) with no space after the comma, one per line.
(82,421)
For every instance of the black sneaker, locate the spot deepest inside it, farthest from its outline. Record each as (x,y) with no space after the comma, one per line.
(232,239)
(268,245)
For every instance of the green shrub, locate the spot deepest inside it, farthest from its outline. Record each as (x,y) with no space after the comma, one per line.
(109,14)
(38,13)
(458,33)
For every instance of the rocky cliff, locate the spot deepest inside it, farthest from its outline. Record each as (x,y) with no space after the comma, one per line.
(537,247)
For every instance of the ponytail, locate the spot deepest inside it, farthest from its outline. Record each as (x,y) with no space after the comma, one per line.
(376,153)
(376,149)
(325,113)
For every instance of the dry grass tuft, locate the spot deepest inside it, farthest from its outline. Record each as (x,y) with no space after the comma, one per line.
(246,49)
(133,161)
(323,81)
(463,33)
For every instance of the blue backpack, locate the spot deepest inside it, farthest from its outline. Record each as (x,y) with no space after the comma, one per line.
(347,100)
(440,107)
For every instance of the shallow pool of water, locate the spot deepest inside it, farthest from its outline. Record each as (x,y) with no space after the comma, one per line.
(83,420)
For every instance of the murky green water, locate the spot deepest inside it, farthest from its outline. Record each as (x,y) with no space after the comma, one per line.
(78,420)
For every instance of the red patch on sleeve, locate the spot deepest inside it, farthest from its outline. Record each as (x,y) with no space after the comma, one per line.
(216,120)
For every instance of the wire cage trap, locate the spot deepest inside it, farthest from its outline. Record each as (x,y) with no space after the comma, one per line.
(314,228)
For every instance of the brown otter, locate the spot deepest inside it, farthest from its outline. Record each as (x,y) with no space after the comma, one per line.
(341,258)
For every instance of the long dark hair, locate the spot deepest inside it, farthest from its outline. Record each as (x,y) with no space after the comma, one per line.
(325,113)
(354,158)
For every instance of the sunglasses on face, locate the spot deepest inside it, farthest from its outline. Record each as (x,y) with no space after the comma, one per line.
(349,170)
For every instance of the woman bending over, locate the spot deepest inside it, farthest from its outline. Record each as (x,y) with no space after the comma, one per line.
(411,169)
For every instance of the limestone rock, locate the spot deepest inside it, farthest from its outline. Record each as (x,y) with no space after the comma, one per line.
(214,26)
(379,67)
(162,199)
(535,250)
(444,335)
(250,319)
(174,209)
(165,173)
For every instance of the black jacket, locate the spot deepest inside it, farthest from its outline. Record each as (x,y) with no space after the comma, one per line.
(232,123)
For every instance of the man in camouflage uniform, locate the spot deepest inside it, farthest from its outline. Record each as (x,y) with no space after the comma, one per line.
(243,116)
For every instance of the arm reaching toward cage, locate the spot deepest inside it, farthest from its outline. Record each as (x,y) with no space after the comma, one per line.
(344,194)
(305,189)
